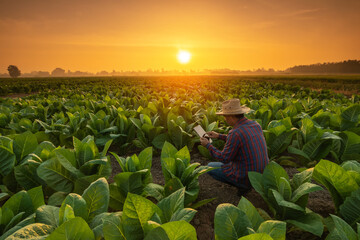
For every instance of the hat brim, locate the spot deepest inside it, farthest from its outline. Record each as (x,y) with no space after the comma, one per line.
(242,111)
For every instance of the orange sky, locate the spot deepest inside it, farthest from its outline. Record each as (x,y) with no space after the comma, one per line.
(93,35)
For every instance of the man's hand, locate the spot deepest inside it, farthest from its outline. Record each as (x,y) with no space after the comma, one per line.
(213,134)
(204,141)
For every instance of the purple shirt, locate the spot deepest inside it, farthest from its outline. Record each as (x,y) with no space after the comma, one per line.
(245,150)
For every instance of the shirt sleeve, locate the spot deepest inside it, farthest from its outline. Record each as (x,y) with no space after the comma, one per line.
(230,149)
(222,136)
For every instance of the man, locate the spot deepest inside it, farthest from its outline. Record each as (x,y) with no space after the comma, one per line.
(245,148)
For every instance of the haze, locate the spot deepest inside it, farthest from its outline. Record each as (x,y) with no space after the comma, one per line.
(90,35)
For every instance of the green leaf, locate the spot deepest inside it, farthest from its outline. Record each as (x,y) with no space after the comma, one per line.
(285,188)
(32,231)
(185,214)
(168,151)
(304,189)
(256,180)
(298,152)
(230,222)
(77,203)
(26,175)
(302,177)
(27,221)
(251,212)
(178,230)
(97,197)
(37,197)
(310,222)
(172,204)
(56,175)
(350,209)
(20,202)
(184,155)
(48,215)
(155,190)
(351,113)
(271,176)
(130,182)
(317,149)
(276,229)
(341,230)
(137,212)
(257,236)
(7,161)
(112,228)
(336,180)
(66,213)
(24,144)
(74,229)
(145,158)
(282,202)
(57,198)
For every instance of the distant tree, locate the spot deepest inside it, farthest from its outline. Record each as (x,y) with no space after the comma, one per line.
(58,72)
(14,71)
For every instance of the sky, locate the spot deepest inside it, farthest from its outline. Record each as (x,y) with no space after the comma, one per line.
(93,35)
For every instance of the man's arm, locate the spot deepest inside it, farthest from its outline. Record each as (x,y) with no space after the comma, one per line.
(230,149)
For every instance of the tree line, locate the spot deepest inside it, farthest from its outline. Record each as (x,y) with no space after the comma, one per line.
(349,66)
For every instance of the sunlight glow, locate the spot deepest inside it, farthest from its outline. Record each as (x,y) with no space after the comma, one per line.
(183,56)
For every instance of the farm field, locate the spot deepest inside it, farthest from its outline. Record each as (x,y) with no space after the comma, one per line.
(117,158)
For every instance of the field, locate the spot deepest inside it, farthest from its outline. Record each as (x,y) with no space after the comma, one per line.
(117,158)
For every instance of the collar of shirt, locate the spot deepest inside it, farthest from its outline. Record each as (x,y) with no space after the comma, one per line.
(241,121)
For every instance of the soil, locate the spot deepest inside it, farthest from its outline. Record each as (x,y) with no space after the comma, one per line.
(319,202)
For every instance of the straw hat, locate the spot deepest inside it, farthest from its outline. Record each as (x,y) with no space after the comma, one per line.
(233,107)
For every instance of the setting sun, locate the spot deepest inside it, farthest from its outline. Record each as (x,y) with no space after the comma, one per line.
(183,56)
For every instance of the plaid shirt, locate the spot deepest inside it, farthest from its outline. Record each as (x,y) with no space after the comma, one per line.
(245,150)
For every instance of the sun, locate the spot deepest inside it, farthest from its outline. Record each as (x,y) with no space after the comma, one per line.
(183,56)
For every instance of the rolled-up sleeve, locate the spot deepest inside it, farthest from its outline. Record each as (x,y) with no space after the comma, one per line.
(230,149)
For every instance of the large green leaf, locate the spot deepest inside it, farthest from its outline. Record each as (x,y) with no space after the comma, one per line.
(350,209)
(77,203)
(304,189)
(37,197)
(256,180)
(48,215)
(271,176)
(26,174)
(137,212)
(74,229)
(351,113)
(145,158)
(131,182)
(310,222)
(317,149)
(341,230)
(257,236)
(7,160)
(168,151)
(185,214)
(32,231)
(112,228)
(171,204)
(179,230)
(24,144)
(20,202)
(230,222)
(97,197)
(251,212)
(336,180)
(276,229)
(27,221)
(56,175)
